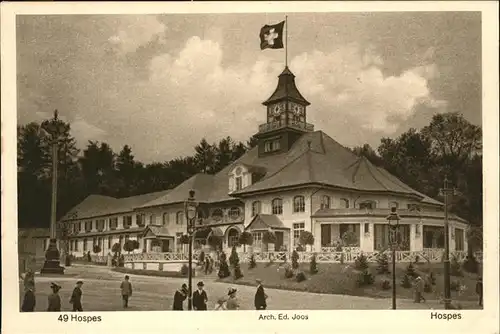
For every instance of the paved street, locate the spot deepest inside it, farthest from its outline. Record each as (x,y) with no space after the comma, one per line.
(101,293)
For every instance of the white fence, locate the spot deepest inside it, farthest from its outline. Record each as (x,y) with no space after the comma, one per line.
(431,255)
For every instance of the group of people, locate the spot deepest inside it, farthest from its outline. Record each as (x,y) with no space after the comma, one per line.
(208,264)
(54,299)
(200,298)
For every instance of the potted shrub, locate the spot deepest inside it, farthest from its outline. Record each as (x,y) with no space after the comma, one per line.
(306,238)
(246,238)
(268,237)
(129,246)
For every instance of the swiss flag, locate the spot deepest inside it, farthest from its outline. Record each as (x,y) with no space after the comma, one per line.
(271,36)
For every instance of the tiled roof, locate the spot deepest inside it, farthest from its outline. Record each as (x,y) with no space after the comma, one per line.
(201,183)
(264,222)
(98,205)
(286,89)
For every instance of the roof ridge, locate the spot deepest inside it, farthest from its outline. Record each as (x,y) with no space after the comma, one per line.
(367,162)
(286,165)
(356,169)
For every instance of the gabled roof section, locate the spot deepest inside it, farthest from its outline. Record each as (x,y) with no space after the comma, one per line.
(265,222)
(286,89)
(200,183)
(158,231)
(98,205)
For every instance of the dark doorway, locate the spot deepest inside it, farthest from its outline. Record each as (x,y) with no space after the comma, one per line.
(165,245)
(279,241)
(326,235)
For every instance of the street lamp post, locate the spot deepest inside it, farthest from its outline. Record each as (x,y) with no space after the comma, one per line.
(191,207)
(393,220)
(54,128)
(447,191)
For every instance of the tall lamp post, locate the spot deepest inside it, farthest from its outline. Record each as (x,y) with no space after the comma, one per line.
(191,208)
(393,219)
(446,191)
(54,128)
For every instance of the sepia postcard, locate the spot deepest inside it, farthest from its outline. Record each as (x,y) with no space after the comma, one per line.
(323,167)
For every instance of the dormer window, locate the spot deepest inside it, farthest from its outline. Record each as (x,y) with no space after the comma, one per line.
(368,205)
(272,145)
(239,183)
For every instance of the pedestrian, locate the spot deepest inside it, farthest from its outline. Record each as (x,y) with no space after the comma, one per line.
(54,298)
(76,297)
(200,298)
(109,259)
(260,296)
(207,264)
(29,280)
(179,297)
(29,300)
(89,258)
(126,288)
(479,290)
(232,303)
(418,290)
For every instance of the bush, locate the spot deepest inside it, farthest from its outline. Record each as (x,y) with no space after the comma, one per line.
(288,272)
(300,276)
(406,282)
(417,259)
(313,266)
(233,258)
(185,270)
(455,267)
(295,260)
(214,241)
(223,267)
(116,248)
(97,249)
(306,238)
(365,278)
(386,285)
(471,265)
(455,285)
(246,238)
(237,272)
(383,264)
(252,264)
(129,245)
(410,271)
(361,262)
(269,237)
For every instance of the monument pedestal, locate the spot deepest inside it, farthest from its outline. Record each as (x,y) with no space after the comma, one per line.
(52,262)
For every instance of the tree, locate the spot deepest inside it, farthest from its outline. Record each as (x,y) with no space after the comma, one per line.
(234,261)
(116,248)
(252,142)
(98,169)
(368,152)
(126,171)
(214,241)
(306,238)
(129,245)
(205,157)
(96,249)
(223,267)
(246,238)
(295,259)
(313,266)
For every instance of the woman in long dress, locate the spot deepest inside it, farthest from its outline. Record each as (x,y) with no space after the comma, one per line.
(232,303)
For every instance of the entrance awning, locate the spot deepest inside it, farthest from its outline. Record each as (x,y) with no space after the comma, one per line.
(262,222)
(157,232)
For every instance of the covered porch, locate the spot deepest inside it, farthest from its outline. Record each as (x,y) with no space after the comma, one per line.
(370,233)
(262,224)
(158,240)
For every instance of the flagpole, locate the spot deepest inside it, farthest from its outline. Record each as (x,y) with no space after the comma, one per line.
(286,40)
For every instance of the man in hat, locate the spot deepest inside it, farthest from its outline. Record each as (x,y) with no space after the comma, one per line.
(54,298)
(179,297)
(200,298)
(479,290)
(29,300)
(76,297)
(126,288)
(260,296)
(419,290)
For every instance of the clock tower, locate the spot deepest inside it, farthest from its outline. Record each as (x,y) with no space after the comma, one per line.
(286,117)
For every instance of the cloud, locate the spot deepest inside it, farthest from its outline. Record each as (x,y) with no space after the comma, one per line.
(135,31)
(84,131)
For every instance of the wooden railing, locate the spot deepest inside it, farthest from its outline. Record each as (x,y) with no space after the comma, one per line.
(430,255)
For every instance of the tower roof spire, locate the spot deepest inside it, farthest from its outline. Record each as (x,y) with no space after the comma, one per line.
(286,89)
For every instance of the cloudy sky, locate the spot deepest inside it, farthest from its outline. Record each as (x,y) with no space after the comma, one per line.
(160,83)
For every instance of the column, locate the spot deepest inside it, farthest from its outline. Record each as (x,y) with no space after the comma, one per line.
(317,236)
(148,245)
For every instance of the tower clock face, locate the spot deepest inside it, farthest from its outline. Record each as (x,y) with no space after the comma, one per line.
(297,109)
(278,109)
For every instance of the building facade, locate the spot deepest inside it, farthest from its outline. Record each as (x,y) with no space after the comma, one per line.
(295,179)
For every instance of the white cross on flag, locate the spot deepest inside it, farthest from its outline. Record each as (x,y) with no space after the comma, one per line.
(271,36)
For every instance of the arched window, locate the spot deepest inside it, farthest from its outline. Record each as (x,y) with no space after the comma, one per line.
(325,202)
(233,237)
(234,212)
(179,218)
(369,205)
(393,205)
(344,203)
(217,214)
(299,204)
(277,205)
(256,207)
(165,218)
